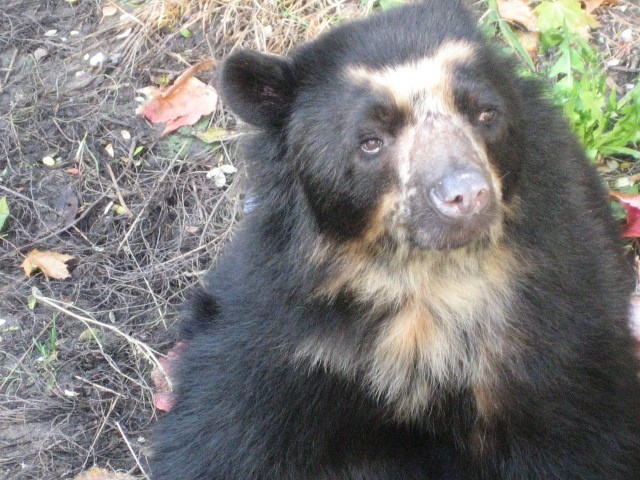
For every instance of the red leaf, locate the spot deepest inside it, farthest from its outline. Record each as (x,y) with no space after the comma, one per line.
(631,204)
(163,397)
(183,103)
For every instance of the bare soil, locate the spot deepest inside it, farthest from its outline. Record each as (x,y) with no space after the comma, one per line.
(75,364)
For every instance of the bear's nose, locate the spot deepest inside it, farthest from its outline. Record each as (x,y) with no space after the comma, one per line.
(461,193)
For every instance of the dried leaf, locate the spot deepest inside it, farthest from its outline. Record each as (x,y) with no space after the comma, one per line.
(109,11)
(213,134)
(40,53)
(120,209)
(52,264)
(183,103)
(631,204)
(519,12)
(219,178)
(66,206)
(95,473)
(530,41)
(88,334)
(591,5)
(109,150)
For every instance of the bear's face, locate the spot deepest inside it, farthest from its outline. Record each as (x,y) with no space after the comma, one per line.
(389,151)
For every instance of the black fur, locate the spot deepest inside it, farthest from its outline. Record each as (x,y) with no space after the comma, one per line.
(249,407)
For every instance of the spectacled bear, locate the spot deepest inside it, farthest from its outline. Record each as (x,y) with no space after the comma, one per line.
(429,287)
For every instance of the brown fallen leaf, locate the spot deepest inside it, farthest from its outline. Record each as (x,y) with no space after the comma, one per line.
(52,264)
(591,5)
(95,473)
(183,103)
(519,12)
(530,41)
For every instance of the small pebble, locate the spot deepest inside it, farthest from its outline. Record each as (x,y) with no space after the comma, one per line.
(40,53)
(626,36)
(97,59)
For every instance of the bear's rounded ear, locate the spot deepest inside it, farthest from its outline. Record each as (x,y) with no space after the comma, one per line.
(258,87)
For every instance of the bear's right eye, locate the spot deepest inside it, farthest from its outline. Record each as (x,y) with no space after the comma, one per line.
(371,145)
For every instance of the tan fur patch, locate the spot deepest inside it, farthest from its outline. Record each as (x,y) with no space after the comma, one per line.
(449,330)
(378,221)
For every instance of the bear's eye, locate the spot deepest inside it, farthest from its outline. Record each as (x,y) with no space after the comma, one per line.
(371,145)
(487,116)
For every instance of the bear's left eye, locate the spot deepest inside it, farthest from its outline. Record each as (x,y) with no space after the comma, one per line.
(371,145)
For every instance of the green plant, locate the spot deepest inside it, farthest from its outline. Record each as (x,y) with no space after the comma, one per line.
(4,212)
(49,349)
(607,124)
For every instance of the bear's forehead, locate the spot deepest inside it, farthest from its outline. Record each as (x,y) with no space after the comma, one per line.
(424,84)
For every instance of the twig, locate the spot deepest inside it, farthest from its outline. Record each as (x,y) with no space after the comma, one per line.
(99,432)
(619,68)
(146,203)
(147,351)
(118,192)
(98,387)
(24,197)
(133,454)
(9,69)
(61,230)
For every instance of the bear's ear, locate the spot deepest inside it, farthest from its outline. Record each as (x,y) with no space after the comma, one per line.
(257,87)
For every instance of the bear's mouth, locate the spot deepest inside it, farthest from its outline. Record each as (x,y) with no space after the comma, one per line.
(481,231)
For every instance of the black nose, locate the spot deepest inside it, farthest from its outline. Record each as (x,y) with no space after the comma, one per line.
(461,193)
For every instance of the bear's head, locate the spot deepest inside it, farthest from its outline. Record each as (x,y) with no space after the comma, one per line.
(397,132)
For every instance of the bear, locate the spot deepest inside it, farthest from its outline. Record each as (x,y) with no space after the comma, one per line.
(430,284)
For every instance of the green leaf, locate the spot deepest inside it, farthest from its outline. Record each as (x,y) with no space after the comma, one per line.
(213,134)
(185,33)
(387,4)
(31,302)
(620,151)
(4,211)
(493,18)
(555,14)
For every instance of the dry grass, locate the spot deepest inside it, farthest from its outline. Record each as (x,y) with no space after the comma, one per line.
(273,26)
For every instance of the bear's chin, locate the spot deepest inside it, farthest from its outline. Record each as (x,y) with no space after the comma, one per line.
(452,238)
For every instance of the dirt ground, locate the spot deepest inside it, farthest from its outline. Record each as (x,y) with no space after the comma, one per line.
(135,210)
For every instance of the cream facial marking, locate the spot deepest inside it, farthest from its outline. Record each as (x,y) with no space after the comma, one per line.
(424,86)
